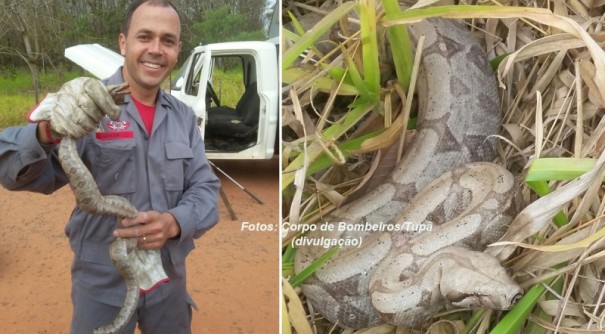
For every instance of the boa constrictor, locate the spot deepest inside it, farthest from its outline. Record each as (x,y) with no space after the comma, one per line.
(139,268)
(406,277)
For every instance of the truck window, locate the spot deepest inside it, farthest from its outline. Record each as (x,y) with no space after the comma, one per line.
(227,80)
(234,108)
(193,79)
(179,79)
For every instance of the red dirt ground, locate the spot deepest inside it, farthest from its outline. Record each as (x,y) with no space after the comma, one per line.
(232,274)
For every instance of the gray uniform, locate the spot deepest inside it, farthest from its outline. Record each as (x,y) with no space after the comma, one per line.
(167,171)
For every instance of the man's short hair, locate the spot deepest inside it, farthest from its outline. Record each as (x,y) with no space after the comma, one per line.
(136,4)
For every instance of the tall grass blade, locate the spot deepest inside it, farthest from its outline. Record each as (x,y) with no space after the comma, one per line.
(558,169)
(333,132)
(321,83)
(401,46)
(516,317)
(311,36)
(356,78)
(305,273)
(540,15)
(369,38)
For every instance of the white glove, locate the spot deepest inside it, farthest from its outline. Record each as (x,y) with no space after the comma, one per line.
(76,109)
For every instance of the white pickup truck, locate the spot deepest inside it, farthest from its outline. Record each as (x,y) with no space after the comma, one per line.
(247,129)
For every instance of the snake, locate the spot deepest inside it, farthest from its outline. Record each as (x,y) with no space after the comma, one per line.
(416,241)
(89,199)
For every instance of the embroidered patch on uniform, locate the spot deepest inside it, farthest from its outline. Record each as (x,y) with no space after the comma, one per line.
(114,135)
(118,125)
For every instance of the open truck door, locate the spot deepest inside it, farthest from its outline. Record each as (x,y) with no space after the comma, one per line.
(233,88)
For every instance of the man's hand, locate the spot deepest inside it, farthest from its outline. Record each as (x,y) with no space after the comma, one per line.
(151,228)
(80,104)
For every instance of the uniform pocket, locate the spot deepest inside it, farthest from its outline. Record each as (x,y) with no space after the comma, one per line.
(95,253)
(178,155)
(114,166)
(94,270)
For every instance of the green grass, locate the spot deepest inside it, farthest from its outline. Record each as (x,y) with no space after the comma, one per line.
(228,86)
(17,93)
(14,108)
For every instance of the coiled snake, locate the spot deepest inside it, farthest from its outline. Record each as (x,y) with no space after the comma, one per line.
(128,260)
(447,206)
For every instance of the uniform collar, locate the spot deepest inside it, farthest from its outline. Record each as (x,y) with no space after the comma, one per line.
(163,105)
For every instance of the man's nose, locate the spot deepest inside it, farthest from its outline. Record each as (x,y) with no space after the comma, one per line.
(155,46)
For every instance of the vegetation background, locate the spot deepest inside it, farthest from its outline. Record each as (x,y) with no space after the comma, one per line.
(34,33)
(342,109)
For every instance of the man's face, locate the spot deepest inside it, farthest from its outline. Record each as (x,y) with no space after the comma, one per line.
(151,47)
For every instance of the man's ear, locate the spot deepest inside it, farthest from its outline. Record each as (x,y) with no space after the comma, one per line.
(122,42)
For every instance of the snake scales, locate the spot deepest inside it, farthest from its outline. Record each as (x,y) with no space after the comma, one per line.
(90,200)
(406,277)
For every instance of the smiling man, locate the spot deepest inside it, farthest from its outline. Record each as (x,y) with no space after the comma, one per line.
(150,44)
(152,155)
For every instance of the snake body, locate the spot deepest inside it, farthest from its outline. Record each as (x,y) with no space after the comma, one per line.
(446,204)
(90,200)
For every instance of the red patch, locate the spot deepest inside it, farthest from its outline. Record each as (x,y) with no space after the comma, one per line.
(114,135)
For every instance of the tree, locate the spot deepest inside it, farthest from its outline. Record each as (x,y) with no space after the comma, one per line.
(36,32)
(225,24)
(31,20)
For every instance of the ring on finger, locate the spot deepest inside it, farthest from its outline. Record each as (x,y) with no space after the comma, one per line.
(144,238)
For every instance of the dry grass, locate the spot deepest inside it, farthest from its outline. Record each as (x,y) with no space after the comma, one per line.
(552,98)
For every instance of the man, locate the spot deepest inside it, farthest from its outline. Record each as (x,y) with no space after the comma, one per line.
(153,155)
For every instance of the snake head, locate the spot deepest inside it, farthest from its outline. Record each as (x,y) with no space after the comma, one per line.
(479,281)
(118,92)
(495,297)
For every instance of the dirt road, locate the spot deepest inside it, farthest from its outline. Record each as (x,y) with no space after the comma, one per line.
(232,274)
